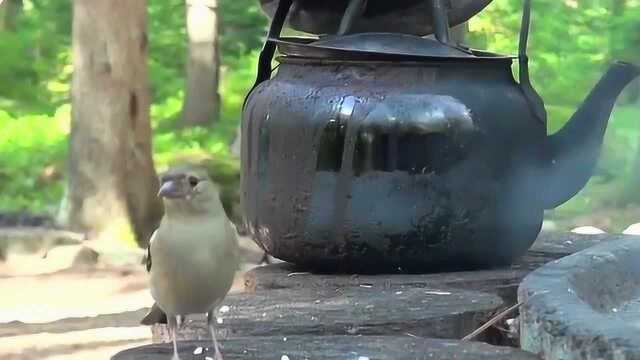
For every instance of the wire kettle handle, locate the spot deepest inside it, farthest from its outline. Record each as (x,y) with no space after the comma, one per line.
(536,104)
(269,47)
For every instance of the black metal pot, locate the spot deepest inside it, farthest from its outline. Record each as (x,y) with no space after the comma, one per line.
(384,152)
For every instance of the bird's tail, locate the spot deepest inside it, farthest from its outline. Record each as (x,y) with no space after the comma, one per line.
(154,316)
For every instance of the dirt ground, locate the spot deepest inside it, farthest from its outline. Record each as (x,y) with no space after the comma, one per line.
(52,311)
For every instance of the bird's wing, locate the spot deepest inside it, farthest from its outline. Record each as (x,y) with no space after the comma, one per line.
(148,262)
(232,235)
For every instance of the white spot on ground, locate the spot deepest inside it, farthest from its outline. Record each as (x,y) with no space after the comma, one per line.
(437,292)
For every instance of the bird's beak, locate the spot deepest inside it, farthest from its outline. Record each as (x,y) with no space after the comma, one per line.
(170,189)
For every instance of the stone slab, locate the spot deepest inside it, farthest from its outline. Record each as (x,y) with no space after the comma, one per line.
(586,305)
(279,301)
(500,281)
(361,310)
(331,347)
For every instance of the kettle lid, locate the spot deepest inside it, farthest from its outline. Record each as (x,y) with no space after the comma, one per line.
(378,47)
(392,44)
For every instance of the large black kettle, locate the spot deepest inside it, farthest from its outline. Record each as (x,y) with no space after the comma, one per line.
(383,151)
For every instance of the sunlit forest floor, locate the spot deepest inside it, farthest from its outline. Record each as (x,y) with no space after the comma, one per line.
(82,317)
(58,308)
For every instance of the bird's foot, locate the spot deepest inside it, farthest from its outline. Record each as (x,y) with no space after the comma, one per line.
(218,355)
(175,357)
(183,323)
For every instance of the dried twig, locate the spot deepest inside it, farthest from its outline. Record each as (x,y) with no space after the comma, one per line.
(492,321)
(500,316)
(298,273)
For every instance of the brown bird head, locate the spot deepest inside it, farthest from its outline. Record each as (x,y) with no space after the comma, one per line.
(188,188)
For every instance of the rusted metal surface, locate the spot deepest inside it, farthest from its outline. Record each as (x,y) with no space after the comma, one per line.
(383,153)
(372,166)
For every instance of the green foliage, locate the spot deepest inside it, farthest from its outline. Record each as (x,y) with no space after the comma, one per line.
(570,43)
(29,144)
(34,66)
(243,28)
(35,74)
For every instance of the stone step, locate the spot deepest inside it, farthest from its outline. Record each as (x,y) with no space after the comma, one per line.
(330,309)
(277,300)
(585,306)
(330,348)
(362,310)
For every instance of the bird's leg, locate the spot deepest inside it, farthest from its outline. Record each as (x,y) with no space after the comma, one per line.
(172,324)
(211,320)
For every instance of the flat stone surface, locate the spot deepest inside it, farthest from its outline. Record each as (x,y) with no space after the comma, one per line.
(361,310)
(331,347)
(585,306)
(501,281)
(278,301)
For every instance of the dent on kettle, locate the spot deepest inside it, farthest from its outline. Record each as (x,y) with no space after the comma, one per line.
(384,136)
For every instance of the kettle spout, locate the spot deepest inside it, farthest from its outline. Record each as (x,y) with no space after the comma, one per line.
(574,150)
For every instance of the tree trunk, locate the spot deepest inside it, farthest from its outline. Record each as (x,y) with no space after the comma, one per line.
(9,12)
(112,181)
(202,101)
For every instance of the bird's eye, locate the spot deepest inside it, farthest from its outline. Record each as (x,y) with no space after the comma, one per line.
(193,181)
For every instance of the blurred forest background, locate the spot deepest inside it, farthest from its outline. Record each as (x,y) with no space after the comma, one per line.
(571,44)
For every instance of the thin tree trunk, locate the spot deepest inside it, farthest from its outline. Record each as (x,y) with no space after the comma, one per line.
(202,101)
(112,181)
(9,12)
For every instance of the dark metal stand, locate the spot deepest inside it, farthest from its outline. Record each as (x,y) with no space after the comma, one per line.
(354,10)
(535,101)
(441,21)
(269,48)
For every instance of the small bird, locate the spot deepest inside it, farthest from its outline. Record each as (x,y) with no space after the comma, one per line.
(193,255)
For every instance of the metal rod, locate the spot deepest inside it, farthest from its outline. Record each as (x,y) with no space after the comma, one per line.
(441,21)
(524,40)
(354,10)
(269,47)
(536,104)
